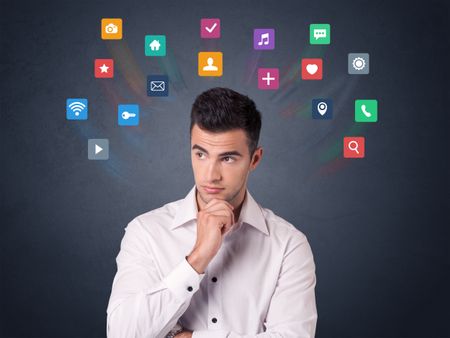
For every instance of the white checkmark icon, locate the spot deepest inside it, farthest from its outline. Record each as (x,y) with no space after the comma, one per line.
(212,28)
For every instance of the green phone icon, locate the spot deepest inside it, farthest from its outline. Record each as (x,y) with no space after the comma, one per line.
(366,110)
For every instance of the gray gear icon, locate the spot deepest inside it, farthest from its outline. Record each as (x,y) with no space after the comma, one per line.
(358,63)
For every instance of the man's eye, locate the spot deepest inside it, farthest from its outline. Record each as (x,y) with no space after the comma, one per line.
(228,159)
(200,155)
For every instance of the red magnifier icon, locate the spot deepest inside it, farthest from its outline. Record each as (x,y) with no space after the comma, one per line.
(354,147)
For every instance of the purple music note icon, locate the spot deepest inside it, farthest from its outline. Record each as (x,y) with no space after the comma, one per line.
(264,38)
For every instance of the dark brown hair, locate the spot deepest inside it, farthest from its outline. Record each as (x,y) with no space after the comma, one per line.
(223,109)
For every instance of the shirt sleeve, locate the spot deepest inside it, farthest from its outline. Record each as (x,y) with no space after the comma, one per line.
(143,303)
(292,311)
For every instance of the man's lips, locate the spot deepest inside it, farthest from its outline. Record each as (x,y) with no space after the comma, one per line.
(212,190)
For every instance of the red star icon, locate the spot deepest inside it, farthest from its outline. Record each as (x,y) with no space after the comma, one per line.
(104,68)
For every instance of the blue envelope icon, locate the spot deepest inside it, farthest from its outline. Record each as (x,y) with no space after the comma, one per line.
(157,85)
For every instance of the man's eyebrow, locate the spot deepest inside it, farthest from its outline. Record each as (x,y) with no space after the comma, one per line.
(227,153)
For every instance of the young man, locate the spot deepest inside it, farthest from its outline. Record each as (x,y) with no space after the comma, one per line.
(215,264)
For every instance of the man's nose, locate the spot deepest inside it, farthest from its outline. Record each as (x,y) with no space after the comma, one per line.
(213,172)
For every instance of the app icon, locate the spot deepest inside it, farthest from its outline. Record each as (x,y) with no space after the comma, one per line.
(210,28)
(366,110)
(77,109)
(312,69)
(157,85)
(268,78)
(322,109)
(358,63)
(111,29)
(155,45)
(264,38)
(128,114)
(210,64)
(98,149)
(319,34)
(354,147)
(104,68)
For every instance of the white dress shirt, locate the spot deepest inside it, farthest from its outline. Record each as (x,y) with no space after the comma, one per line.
(260,283)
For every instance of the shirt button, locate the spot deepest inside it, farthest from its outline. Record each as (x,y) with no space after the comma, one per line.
(214,320)
(214,279)
(190,288)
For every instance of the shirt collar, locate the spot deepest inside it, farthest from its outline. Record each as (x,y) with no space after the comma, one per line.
(186,211)
(251,212)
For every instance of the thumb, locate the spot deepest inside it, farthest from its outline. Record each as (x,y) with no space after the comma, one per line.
(226,229)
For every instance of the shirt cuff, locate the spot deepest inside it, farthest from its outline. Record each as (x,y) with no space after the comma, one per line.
(183,281)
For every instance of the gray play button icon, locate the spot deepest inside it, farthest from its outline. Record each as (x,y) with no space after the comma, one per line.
(98,149)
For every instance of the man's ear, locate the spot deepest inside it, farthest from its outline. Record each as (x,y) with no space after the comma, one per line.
(256,158)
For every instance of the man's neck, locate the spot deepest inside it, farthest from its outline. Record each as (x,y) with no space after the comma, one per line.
(237,211)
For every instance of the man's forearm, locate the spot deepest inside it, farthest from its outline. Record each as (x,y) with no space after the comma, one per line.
(184,334)
(198,261)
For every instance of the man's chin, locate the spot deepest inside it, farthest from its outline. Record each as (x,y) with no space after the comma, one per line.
(207,197)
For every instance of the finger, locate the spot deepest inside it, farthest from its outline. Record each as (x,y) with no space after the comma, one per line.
(224,212)
(220,221)
(214,201)
(216,207)
(226,229)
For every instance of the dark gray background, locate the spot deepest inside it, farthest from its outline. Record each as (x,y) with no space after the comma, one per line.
(378,227)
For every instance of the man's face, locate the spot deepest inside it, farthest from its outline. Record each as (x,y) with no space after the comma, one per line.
(222,160)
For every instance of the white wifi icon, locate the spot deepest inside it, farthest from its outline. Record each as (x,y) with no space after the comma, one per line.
(77,107)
